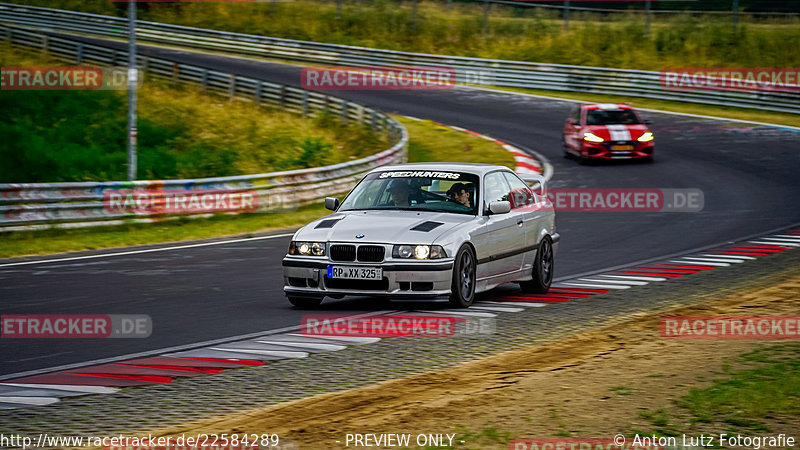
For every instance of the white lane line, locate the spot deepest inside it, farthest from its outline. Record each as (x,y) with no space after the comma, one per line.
(526,304)
(600,286)
(344,339)
(149,250)
(329,347)
(714,258)
(717,262)
(459,313)
(790,237)
(497,308)
(277,353)
(30,401)
(775,241)
(787,244)
(66,387)
(717,255)
(625,277)
(628,283)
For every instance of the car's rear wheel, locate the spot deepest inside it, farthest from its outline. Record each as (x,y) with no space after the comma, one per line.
(463,286)
(304,302)
(542,273)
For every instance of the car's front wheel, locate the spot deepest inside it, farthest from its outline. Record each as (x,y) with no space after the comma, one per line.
(542,270)
(463,287)
(304,302)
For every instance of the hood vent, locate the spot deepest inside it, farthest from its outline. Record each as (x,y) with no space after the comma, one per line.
(427,226)
(329,223)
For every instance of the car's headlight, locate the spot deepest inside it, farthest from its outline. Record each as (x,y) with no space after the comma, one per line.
(307,248)
(418,252)
(646,137)
(591,137)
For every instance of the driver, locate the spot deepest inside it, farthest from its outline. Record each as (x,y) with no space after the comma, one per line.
(458,192)
(399,191)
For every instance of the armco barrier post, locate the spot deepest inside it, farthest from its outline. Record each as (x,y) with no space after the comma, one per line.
(259,91)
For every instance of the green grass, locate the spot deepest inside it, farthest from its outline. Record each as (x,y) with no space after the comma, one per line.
(432,142)
(746,399)
(51,136)
(429,142)
(526,34)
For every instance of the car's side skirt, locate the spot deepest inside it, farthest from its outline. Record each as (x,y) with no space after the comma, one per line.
(497,256)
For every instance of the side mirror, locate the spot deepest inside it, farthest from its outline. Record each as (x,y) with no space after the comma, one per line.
(331,203)
(500,207)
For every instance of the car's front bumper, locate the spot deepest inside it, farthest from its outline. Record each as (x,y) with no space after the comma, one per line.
(309,277)
(606,150)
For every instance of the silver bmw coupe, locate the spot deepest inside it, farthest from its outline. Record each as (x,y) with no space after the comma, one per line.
(426,230)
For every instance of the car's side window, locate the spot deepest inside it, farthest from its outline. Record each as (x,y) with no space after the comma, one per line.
(576,115)
(495,188)
(521,194)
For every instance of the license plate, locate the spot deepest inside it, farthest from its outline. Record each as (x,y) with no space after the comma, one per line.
(622,147)
(355,273)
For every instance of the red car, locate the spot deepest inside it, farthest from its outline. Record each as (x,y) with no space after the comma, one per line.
(607,131)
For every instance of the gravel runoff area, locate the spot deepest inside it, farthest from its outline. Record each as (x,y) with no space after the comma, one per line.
(132,411)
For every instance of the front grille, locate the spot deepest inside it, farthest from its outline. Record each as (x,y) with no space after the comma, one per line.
(359,285)
(370,253)
(343,252)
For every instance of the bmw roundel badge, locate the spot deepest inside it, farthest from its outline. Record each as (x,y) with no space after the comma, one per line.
(359,236)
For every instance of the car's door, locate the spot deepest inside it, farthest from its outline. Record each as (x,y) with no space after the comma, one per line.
(501,235)
(525,204)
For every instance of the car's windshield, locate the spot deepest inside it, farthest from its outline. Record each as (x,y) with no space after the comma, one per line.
(419,190)
(611,117)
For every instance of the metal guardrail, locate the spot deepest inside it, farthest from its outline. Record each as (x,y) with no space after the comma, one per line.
(22,206)
(502,73)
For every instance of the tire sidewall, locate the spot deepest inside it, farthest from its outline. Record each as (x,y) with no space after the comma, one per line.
(456,297)
(543,284)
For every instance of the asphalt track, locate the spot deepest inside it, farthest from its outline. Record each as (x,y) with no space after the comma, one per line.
(748,174)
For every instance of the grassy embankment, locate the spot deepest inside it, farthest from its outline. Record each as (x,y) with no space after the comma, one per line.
(51,136)
(525,34)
